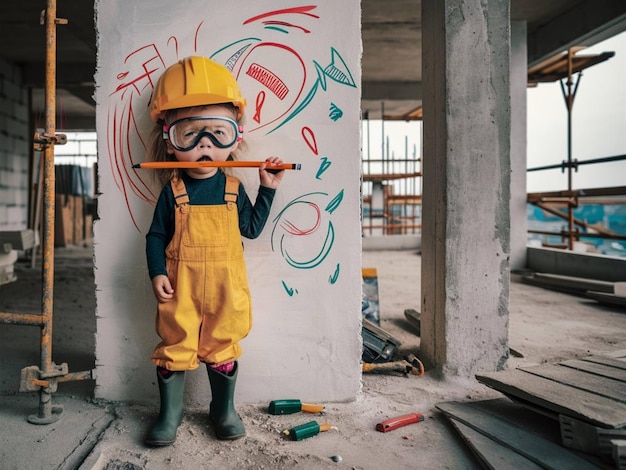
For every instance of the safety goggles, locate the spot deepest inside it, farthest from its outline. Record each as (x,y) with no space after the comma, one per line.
(184,134)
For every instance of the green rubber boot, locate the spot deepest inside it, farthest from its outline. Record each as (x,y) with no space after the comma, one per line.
(226,421)
(163,431)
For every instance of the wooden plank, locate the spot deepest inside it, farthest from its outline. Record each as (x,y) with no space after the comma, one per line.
(597,369)
(491,454)
(390,176)
(582,436)
(536,422)
(603,386)
(607,361)
(538,450)
(609,299)
(413,317)
(546,412)
(617,354)
(557,397)
(576,283)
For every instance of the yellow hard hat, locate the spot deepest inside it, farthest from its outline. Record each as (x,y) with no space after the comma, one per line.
(195,81)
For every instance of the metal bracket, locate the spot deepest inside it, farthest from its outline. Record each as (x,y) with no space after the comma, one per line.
(42,19)
(41,140)
(32,379)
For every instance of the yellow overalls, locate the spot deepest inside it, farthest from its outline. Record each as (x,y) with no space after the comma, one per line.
(211,309)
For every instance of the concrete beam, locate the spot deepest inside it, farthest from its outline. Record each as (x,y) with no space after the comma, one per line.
(587,23)
(392,90)
(69,122)
(33,74)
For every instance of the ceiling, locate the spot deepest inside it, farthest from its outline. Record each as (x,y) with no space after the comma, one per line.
(391,33)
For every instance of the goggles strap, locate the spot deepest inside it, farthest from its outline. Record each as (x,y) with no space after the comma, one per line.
(166,130)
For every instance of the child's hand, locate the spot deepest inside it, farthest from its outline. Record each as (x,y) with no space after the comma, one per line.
(162,288)
(271,180)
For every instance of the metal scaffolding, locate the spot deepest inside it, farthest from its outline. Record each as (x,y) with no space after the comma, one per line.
(45,377)
(392,189)
(392,185)
(563,67)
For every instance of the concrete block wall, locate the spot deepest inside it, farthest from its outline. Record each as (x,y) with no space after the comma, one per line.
(14,149)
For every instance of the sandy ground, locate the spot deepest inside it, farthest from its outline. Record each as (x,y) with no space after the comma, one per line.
(545,326)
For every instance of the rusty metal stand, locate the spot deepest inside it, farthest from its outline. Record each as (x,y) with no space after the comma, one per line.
(46,377)
(569,96)
(562,67)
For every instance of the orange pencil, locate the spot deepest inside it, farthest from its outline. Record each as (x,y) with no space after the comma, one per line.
(230,163)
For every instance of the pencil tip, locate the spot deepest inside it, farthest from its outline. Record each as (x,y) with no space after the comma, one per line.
(136,165)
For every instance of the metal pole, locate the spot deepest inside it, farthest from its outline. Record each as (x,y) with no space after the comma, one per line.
(46,377)
(570,104)
(407,184)
(384,164)
(45,396)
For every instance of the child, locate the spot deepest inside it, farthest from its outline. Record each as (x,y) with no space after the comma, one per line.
(194,247)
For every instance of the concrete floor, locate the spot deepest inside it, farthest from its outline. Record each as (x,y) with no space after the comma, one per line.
(545,326)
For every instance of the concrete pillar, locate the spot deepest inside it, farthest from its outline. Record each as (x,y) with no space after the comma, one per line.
(466,235)
(519,79)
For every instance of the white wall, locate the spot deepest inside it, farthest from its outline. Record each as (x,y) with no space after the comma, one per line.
(305,269)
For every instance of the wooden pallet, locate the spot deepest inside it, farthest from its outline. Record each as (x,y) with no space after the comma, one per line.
(586,396)
(504,435)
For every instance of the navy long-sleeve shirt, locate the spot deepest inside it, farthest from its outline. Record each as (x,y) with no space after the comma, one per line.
(209,191)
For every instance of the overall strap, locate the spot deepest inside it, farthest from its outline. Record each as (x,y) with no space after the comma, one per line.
(180,191)
(232,189)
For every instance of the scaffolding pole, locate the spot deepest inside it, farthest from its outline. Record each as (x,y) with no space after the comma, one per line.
(45,378)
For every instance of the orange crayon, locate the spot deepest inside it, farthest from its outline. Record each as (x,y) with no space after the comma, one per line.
(230,163)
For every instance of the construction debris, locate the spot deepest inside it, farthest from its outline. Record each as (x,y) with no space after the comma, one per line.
(602,291)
